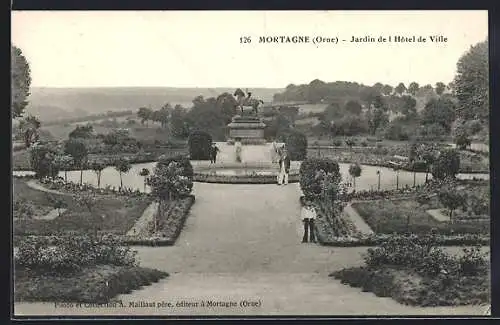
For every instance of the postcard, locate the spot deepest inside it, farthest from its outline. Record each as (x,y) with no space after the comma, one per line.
(250,163)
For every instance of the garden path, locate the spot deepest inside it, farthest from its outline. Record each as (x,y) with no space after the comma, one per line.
(146,218)
(37,186)
(243,242)
(357,220)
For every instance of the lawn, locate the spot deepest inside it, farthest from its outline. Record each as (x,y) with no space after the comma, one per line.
(120,213)
(21,160)
(401,216)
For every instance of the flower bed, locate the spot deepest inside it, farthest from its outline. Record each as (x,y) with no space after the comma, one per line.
(416,271)
(338,229)
(241,179)
(89,269)
(120,213)
(377,239)
(381,156)
(407,215)
(59,184)
(172,217)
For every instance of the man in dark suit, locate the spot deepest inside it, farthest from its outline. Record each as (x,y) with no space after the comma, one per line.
(214,150)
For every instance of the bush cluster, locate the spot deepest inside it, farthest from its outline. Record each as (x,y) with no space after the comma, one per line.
(59,184)
(72,254)
(422,254)
(310,182)
(200,144)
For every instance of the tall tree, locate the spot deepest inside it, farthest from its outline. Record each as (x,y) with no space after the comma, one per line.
(413,88)
(387,90)
(64,162)
(122,166)
(440,88)
(353,107)
(439,111)
(446,165)
(409,108)
(29,130)
(400,89)
(21,81)
(78,150)
(377,119)
(378,87)
(472,83)
(355,172)
(144,173)
(98,167)
(145,114)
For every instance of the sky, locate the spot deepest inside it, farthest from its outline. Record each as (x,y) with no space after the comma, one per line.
(203,48)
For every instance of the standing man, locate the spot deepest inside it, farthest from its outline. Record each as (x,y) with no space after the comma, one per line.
(308,214)
(214,152)
(284,167)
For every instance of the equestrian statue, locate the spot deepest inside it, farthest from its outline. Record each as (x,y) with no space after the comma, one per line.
(247,101)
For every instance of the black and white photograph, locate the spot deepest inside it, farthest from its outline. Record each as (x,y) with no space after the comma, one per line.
(250,163)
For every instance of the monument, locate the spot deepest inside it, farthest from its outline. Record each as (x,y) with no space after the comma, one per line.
(247,127)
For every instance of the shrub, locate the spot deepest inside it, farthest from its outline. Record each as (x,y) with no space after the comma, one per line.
(446,165)
(310,183)
(473,261)
(296,143)
(22,209)
(71,254)
(169,181)
(200,144)
(401,250)
(182,162)
(423,254)
(396,132)
(337,143)
(42,160)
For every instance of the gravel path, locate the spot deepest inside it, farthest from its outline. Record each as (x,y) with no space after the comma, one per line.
(141,225)
(242,242)
(358,221)
(37,186)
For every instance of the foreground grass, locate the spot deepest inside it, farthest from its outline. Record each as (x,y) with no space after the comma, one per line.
(407,287)
(112,213)
(93,284)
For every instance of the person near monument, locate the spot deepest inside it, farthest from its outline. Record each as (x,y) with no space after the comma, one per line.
(274,152)
(214,150)
(308,215)
(238,149)
(284,167)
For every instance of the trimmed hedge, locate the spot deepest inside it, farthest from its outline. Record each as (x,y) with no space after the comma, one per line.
(309,184)
(296,143)
(200,145)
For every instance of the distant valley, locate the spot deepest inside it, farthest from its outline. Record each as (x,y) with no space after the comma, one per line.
(50,104)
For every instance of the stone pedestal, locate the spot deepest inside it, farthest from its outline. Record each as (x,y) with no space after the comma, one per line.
(247,129)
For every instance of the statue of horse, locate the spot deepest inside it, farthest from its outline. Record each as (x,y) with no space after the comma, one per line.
(247,101)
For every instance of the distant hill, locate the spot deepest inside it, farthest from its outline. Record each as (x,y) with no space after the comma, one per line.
(59,103)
